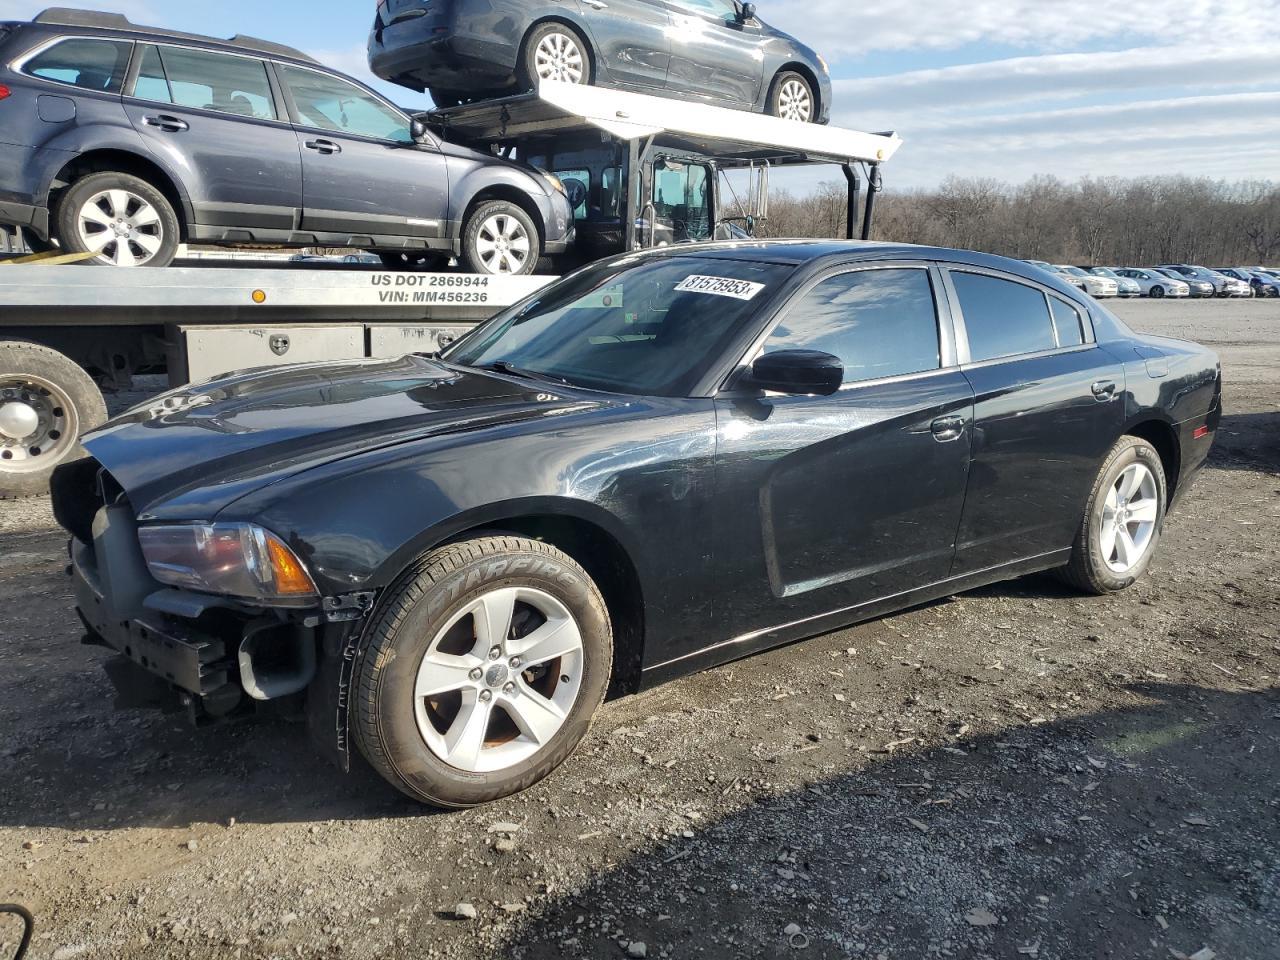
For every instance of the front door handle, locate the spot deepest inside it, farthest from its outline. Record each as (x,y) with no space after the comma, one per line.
(1104,390)
(167,124)
(948,429)
(326,147)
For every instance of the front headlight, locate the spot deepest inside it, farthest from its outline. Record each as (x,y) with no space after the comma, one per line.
(556,183)
(230,559)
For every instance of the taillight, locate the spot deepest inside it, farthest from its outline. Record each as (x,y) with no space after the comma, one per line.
(5,92)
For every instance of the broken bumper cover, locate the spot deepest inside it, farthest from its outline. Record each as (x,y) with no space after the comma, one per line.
(196,664)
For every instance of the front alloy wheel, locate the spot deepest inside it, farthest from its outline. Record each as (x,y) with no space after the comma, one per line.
(500,239)
(793,98)
(483,668)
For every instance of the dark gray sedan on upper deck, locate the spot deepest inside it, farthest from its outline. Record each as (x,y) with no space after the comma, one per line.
(660,463)
(718,51)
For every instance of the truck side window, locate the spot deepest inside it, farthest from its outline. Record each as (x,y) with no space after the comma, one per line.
(681,202)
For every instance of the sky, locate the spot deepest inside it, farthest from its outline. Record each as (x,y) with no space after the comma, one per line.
(992,88)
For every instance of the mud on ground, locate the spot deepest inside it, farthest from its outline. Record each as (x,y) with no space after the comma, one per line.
(1017,772)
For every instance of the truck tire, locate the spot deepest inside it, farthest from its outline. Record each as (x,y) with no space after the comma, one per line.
(500,239)
(484,666)
(46,403)
(123,219)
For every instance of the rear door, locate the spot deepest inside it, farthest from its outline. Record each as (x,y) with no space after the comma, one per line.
(215,119)
(632,40)
(1048,408)
(714,55)
(826,503)
(363,173)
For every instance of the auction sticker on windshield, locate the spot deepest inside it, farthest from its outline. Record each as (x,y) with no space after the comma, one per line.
(721,287)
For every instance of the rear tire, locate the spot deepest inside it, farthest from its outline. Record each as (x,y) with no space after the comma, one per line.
(500,239)
(46,403)
(121,218)
(443,719)
(1122,522)
(554,51)
(444,99)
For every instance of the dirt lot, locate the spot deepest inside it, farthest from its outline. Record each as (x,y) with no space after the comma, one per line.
(1019,772)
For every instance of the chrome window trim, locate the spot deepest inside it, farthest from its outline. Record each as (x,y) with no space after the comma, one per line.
(130,95)
(962,331)
(947,354)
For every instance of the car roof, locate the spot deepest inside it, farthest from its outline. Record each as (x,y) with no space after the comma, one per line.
(119,25)
(820,254)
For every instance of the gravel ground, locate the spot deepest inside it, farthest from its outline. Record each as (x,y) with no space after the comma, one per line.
(1016,772)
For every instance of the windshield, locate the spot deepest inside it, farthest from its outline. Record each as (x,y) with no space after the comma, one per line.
(1075,272)
(647,330)
(1104,272)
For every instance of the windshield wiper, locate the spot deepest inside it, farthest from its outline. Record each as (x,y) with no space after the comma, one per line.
(502,366)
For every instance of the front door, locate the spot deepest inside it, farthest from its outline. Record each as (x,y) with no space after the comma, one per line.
(214,118)
(681,202)
(363,174)
(1049,406)
(714,55)
(632,39)
(828,503)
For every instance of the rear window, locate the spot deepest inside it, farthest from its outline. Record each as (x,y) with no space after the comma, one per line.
(1002,317)
(83,62)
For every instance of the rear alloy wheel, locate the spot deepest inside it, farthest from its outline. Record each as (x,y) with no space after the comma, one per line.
(500,239)
(46,402)
(793,98)
(555,52)
(485,666)
(1122,524)
(121,219)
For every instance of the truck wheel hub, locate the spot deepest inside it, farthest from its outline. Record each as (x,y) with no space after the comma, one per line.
(18,420)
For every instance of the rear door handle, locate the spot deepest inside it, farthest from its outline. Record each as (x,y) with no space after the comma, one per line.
(167,124)
(947,429)
(1104,390)
(323,146)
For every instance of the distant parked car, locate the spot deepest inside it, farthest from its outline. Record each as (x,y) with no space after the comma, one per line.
(1199,288)
(122,141)
(1155,284)
(1127,287)
(1097,287)
(1261,283)
(1222,287)
(717,51)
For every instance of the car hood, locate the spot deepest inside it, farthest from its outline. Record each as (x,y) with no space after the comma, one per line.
(236,434)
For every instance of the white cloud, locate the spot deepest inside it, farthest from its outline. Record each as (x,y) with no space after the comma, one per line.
(849,30)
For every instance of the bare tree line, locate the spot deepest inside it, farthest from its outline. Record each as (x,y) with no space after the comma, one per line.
(1092,221)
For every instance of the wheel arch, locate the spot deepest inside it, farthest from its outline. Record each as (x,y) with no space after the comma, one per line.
(1162,435)
(511,194)
(586,533)
(114,160)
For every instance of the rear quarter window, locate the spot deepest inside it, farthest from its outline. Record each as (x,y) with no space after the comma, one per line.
(84,62)
(1003,318)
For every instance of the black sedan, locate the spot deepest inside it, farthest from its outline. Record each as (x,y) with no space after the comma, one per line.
(716,51)
(659,464)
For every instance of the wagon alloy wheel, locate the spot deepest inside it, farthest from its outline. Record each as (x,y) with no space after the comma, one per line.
(558,57)
(499,680)
(1129,518)
(38,424)
(795,102)
(124,229)
(504,244)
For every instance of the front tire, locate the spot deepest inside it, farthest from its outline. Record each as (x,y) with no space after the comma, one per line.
(486,663)
(46,402)
(121,219)
(1122,522)
(500,239)
(1157,293)
(793,98)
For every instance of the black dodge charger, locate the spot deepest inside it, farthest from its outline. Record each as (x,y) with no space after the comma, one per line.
(658,464)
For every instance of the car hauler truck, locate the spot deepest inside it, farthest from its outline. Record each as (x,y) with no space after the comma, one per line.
(645,172)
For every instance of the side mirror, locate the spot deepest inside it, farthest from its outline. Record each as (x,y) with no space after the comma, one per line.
(807,373)
(418,130)
(747,13)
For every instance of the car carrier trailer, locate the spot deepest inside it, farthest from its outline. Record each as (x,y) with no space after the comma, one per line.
(646,172)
